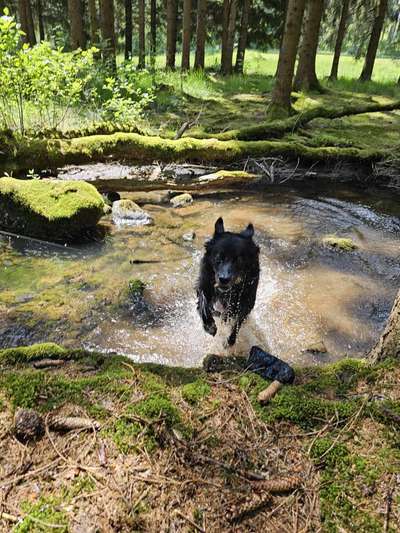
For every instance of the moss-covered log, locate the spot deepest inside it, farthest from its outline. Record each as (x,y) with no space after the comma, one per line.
(277,128)
(53,153)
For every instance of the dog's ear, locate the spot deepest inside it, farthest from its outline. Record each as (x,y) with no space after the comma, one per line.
(219,227)
(248,232)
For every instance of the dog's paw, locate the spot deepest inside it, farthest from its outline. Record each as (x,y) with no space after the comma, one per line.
(211,328)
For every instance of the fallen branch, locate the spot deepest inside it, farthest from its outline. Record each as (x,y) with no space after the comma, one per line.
(47,363)
(9,517)
(277,128)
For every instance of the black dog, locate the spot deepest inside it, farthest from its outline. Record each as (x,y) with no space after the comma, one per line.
(228,281)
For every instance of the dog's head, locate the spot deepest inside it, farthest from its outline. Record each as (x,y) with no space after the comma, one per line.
(233,256)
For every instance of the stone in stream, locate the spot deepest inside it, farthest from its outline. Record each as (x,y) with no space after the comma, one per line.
(126,212)
(344,244)
(182,200)
(148,197)
(49,209)
(189,236)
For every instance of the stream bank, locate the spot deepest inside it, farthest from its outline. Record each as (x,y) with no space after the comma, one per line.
(170,447)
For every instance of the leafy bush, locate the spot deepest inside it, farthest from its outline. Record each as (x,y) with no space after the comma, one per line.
(41,85)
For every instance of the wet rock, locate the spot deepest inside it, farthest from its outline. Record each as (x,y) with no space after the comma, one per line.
(345,244)
(316,348)
(149,197)
(227,178)
(28,425)
(49,209)
(126,212)
(181,200)
(189,236)
(184,173)
(107,209)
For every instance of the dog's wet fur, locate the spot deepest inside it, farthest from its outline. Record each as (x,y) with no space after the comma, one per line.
(228,280)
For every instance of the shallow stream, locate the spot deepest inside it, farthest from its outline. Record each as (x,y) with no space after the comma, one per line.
(309,294)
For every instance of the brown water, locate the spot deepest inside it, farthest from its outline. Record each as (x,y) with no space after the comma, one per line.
(307,293)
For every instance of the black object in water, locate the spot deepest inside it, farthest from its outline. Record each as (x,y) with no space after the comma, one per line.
(269,367)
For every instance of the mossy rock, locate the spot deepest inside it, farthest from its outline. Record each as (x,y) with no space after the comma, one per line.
(49,209)
(345,244)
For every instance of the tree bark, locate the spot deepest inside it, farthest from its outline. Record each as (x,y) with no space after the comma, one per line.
(186,33)
(374,41)
(128,29)
(306,77)
(40,20)
(339,40)
(280,100)
(200,34)
(153,32)
(108,33)
(77,31)
(244,22)
(26,21)
(94,22)
(171,33)
(142,35)
(228,36)
(224,35)
(389,343)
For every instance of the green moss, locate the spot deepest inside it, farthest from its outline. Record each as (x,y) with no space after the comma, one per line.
(136,287)
(296,404)
(147,420)
(196,391)
(49,209)
(345,244)
(43,516)
(145,149)
(332,454)
(25,354)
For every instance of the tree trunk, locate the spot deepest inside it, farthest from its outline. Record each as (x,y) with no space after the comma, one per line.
(108,33)
(94,22)
(200,34)
(153,32)
(39,6)
(224,36)
(244,22)
(26,21)
(77,31)
(186,33)
(171,33)
(374,41)
(128,29)
(280,100)
(142,35)
(339,40)
(389,343)
(228,36)
(306,77)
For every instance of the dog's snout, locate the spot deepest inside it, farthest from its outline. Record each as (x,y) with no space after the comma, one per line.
(224,280)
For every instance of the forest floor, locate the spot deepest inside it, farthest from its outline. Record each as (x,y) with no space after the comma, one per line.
(179,450)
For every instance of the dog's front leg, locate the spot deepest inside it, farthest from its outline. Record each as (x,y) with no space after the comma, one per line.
(204,308)
(235,330)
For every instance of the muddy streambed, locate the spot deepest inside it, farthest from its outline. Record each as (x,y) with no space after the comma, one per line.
(309,295)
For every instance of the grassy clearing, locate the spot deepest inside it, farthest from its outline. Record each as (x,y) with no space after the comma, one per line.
(175,439)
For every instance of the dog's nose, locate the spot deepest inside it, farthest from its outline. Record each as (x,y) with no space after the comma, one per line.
(223,280)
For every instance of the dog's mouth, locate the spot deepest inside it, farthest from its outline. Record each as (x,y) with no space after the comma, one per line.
(223,288)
